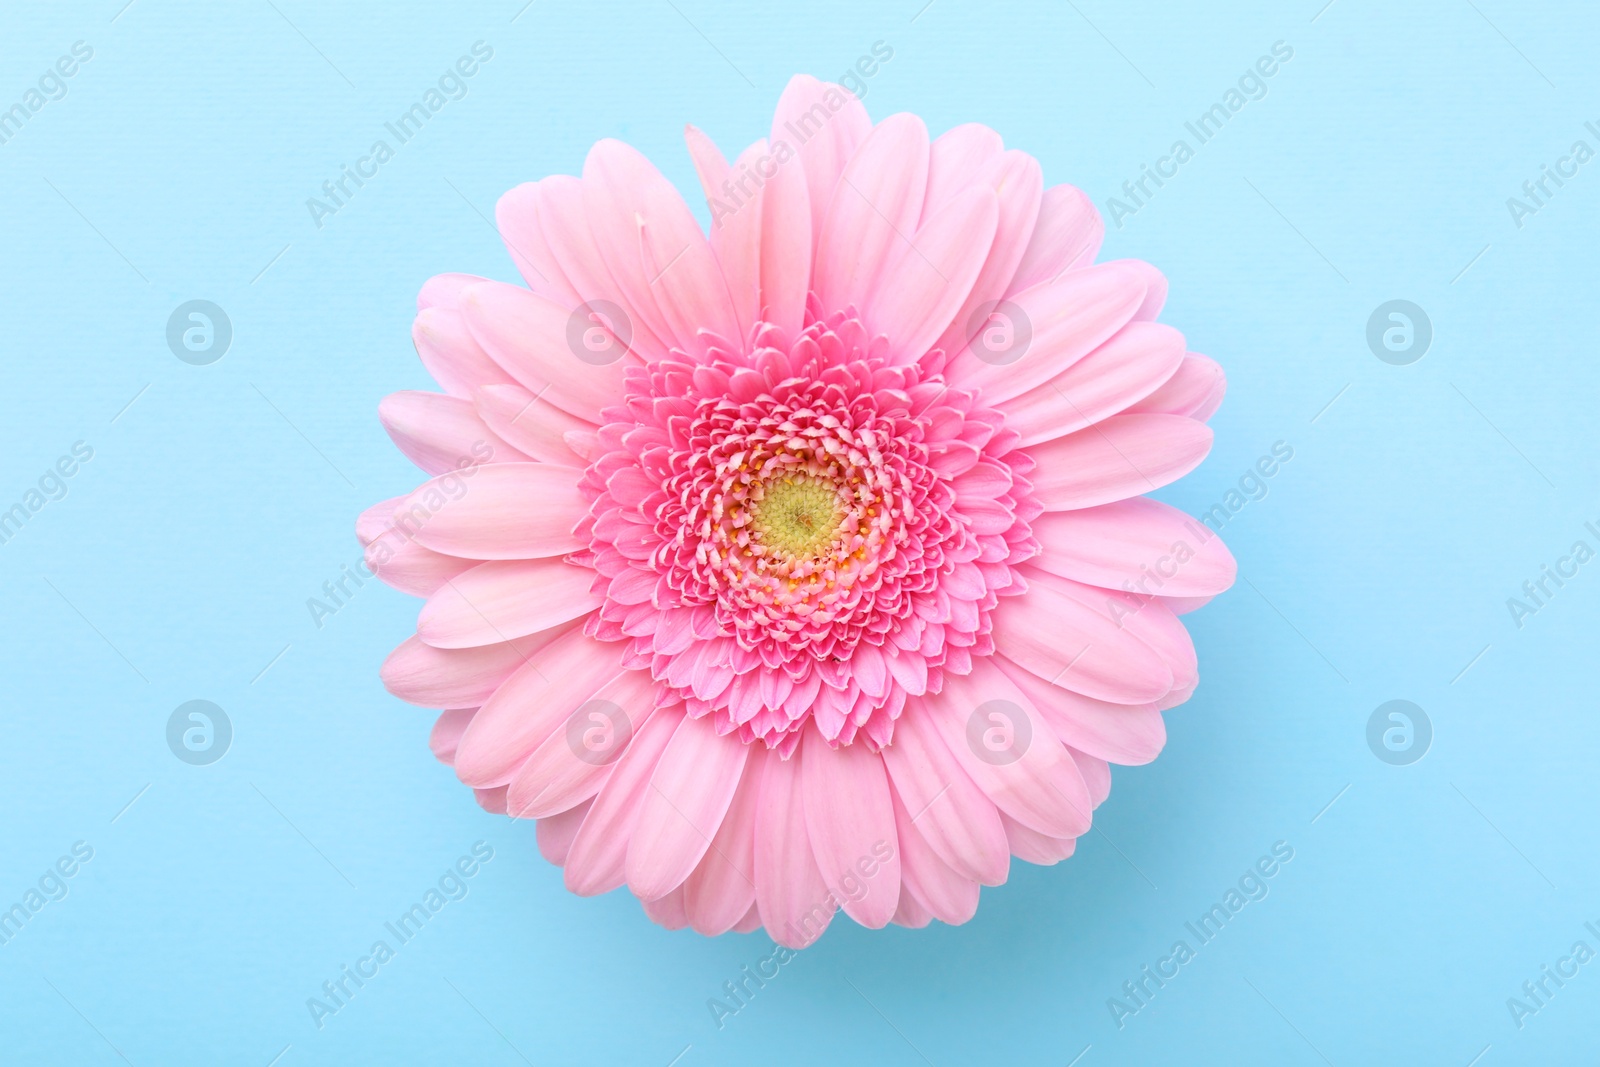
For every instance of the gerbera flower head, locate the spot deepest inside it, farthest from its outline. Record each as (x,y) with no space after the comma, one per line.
(803,566)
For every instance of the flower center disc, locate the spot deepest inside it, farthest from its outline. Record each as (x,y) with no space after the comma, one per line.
(798,517)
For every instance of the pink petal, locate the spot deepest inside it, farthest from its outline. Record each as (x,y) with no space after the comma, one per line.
(1077,643)
(569,766)
(823,124)
(1036,782)
(951,813)
(506,599)
(1195,390)
(850,820)
(682,292)
(959,159)
(505,511)
(531,423)
(451,354)
(597,860)
(1117,458)
(927,280)
(517,217)
(528,336)
(689,794)
(1136,543)
(668,910)
(873,211)
(735,223)
(536,699)
(1130,734)
(455,677)
(1030,846)
(795,903)
(1118,374)
(1016,180)
(564,218)
(556,833)
(722,889)
(941,892)
(447,731)
(786,247)
(1096,775)
(440,433)
(1066,237)
(1042,331)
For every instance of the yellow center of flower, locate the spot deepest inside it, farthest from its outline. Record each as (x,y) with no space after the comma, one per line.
(798,516)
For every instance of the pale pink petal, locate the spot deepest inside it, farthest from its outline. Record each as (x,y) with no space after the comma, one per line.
(1030,777)
(786,247)
(668,911)
(532,703)
(1117,458)
(455,677)
(795,903)
(927,279)
(823,124)
(492,800)
(722,889)
(1138,544)
(1018,185)
(1066,237)
(679,815)
(447,731)
(555,834)
(1096,775)
(1127,368)
(517,217)
(1042,331)
(873,212)
(444,290)
(451,354)
(1079,644)
(941,892)
(534,425)
(911,913)
(440,433)
(952,814)
(571,764)
(850,820)
(959,159)
(734,196)
(1030,846)
(506,599)
(1196,390)
(682,291)
(1130,734)
(505,511)
(528,336)
(597,860)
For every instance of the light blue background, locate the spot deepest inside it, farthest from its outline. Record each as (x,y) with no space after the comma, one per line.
(1378,567)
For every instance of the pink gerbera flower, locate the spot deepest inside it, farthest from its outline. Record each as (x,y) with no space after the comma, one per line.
(803,567)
